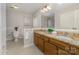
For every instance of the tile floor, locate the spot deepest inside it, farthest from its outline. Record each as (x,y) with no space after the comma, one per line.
(17,48)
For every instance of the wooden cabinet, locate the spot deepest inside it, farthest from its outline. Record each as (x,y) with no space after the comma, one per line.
(63,48)
(60,44)
(38,41)
(62,52)
(74,50)
(52,46)
(46,39)
(50,49)
(77,51)
(41,44)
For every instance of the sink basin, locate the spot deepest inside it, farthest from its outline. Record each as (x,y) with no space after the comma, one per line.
(64,38)
(68,39)
(76,42)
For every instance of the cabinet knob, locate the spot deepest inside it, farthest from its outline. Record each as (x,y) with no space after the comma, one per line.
(67,48)
(73,50)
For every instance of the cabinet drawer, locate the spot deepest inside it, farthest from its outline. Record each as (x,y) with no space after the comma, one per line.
(60,44)
(62,52)
(46,38)
(38,35)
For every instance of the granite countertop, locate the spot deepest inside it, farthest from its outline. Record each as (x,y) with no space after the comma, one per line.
(60,38)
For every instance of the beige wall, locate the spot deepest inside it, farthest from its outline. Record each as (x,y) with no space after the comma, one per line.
(16,18)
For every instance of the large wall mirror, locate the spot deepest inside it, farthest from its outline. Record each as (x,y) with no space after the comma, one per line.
(70,20)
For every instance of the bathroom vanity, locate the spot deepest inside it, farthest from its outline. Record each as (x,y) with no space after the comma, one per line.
(55,45)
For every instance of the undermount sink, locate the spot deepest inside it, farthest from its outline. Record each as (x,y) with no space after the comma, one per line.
(64,38)
(68,39)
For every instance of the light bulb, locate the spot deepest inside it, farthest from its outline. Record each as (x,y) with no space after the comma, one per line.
(48,7)
(45,9)
(14,6)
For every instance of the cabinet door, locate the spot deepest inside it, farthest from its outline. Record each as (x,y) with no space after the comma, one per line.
(77,52)
(59,44)
(50,49)
(74,50)
(41,44)
(62,52)
(36,42)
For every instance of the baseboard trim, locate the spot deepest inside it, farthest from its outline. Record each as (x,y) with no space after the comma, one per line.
(12,39)
(1,52)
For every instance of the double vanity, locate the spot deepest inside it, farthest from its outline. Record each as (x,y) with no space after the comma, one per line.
(56,45)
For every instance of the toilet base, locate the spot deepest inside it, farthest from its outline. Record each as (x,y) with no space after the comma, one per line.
(16,40)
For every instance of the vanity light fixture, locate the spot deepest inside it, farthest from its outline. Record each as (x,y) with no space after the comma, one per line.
(14,6)
(45,9)
(48,7)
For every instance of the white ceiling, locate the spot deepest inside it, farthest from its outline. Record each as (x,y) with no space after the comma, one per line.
(61,8)
(34,7)
(27,7)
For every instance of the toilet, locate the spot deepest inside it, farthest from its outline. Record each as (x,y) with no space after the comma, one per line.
(16,34)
